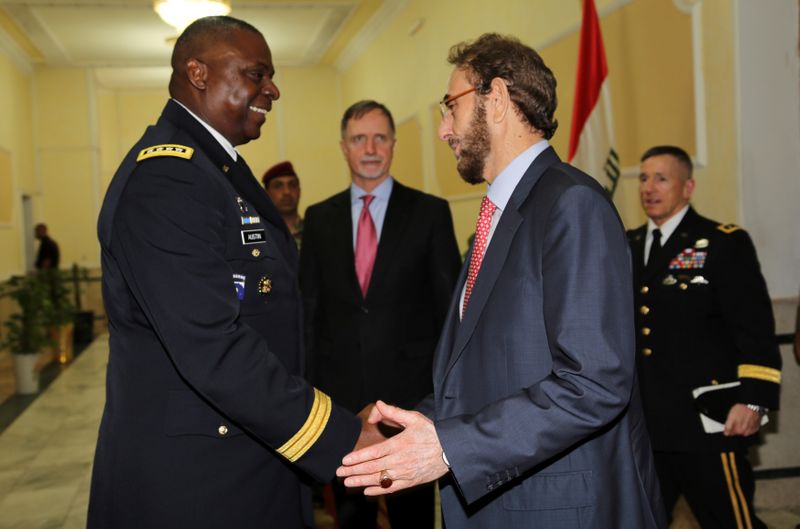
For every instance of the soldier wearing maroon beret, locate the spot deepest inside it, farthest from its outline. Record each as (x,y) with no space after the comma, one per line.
(283,187)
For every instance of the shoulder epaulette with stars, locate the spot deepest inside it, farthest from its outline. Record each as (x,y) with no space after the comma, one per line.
(728,228)
(167,149)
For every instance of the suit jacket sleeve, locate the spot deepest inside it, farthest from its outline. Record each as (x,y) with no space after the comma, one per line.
(170,241)
(587,308)
(747,313)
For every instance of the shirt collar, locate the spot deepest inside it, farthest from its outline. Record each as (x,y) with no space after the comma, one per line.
(228,146)
(503,186)
(669,226)
(382,192)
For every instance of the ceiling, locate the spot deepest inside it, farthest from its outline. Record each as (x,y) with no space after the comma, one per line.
(126,42)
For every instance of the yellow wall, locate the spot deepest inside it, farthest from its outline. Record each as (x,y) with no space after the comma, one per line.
(67,158)
(717,194)
(65,134)
(16,141)
(407,161)
(303,128)
(649,46)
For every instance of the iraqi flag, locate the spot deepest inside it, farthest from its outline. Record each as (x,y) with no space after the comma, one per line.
(591,139)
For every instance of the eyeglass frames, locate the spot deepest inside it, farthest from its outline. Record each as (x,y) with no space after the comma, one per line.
(444,104)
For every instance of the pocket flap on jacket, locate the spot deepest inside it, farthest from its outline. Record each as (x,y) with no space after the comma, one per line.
(566,490)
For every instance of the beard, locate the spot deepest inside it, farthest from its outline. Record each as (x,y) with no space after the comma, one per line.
(475,147)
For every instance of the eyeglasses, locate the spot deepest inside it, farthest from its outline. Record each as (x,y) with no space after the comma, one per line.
(444,104)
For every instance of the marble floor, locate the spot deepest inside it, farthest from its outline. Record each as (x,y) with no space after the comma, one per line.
(46,457)
(46,453)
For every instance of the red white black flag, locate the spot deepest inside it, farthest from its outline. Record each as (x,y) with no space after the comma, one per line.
(591,139)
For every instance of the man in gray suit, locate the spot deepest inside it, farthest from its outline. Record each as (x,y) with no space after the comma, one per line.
(535,419)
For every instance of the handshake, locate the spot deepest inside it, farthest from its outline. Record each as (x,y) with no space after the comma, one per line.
(382,463)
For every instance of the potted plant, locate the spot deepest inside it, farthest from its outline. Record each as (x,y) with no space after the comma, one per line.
(59,315)
(26,331)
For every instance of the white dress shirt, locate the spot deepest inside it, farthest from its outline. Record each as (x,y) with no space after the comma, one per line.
(501,189)
(667,229)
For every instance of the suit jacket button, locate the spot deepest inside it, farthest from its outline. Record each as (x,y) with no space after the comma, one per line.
(683,286)
(647,351)
(364,309)
(645,289)
(646,331)
(223,430)
(644,309)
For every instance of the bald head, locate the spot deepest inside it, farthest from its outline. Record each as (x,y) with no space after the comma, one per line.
(222,71)
(201,35)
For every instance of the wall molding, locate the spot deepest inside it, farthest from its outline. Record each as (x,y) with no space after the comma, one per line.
(576,27)
(686,6)
(10,48)
(373,28)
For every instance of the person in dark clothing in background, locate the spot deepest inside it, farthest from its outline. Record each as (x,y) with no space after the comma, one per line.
(48,255)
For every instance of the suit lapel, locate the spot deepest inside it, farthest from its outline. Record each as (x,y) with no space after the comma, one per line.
(394,224)
(444,349)
(342,223)
(496,253)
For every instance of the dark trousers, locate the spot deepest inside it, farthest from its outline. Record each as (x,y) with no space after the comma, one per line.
(408,509)
(719,487)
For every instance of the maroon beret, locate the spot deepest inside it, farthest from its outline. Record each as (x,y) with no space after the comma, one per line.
(279,169)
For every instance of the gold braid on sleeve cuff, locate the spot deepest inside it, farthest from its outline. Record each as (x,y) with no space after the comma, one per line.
(760,372)
(307,435)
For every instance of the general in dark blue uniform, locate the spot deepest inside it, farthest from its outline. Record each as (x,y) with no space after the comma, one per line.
(208,422)
(704,318)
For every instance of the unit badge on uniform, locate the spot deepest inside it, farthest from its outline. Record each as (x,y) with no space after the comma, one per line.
(264,285)
(669,280)
(238,284)
(699,280)
(699,244)
(689,258)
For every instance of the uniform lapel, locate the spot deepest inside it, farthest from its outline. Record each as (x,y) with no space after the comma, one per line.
(498,249)
(677,241)
(240,177)
(249,189)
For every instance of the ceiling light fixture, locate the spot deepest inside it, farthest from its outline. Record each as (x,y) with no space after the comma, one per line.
(181,13)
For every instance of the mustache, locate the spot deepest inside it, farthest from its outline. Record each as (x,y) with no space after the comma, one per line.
(371,159)
(452,142)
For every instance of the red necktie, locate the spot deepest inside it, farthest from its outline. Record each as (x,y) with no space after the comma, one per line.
(479,246)
(366,246)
